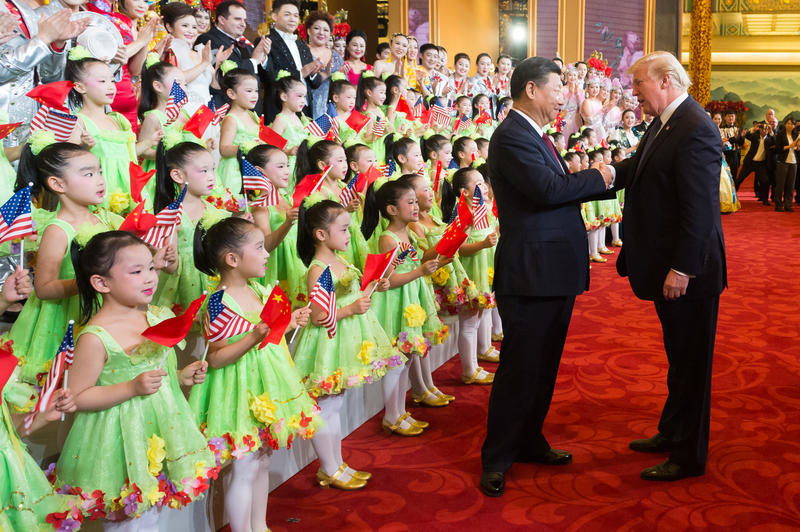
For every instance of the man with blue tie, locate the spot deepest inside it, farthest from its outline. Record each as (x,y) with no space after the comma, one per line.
(541,264)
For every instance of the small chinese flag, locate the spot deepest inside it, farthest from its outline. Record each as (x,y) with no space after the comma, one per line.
(438,179)
(494,208)
(170,332)
(373,173)
(451,240)
(52,94)
(403,107)
(138,221)
(464,213)
(199,121)
(5,129)
(357,120)
(307,185)
(269,136)
(139,179)
(277,314)
(7,364)
(375,266)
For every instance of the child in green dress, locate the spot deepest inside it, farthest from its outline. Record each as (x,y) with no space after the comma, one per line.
(68,180)
(239,128)
(134,444)
(108,135)
(370,96)
(408,310)
(359,353)
(290,123)
(253,400)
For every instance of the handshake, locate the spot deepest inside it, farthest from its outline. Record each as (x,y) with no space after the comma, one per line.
(605,170)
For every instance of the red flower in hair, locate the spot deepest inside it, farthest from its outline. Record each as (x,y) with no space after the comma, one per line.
(608,72)
(301,31)
(341,29)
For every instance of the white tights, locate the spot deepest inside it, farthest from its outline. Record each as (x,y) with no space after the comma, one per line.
(246,492)
(615,232)
(484,332)
(327,441)
(148,522)
(420,375)
(592,236)
(497,324)
(394,392)
(468,321)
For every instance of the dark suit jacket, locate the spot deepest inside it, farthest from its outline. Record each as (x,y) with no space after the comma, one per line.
(542,249)
(671,217)
(769,145)
(641,127)
(240,55)
(280,58)
(781,141)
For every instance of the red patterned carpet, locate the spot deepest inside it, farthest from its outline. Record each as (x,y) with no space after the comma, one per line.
(610,390)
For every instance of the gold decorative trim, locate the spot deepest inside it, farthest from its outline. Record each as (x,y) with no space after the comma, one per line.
(649,26)
(532,28)
(433,21)
(571,28)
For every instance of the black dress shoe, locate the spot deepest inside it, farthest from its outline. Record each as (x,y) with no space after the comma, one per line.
(551,457)
(493,484)
(669,471)
(657,444)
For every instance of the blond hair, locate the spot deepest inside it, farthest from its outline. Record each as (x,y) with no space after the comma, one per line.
(661,64)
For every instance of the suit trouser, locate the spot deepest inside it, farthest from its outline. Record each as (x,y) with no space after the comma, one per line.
(689,327)
(535,329)
(732,158)
(785,177)
(747,168)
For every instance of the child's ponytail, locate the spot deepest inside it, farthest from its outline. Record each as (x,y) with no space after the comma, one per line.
(174,158)
(49,161)
(210,244)
(318,216)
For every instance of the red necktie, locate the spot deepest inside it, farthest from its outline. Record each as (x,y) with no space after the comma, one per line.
(546,139)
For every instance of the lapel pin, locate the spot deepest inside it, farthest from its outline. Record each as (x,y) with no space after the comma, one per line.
(667,128)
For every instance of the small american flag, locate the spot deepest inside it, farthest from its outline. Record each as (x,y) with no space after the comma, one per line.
(166,221)
(334,131)
(177,99)
(324,296)
(59,122)
(252,179)
(220,113)
(15,216)
(440,116)
(462,123)
(419,107)
(405,249)
(63,360)
(378,127)
(223,323)
(388,169)
(320,126)
(480,218)
(349,193)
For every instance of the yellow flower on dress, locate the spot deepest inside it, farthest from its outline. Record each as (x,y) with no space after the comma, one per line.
(440,276)
(154,496)
(118,202)
(415,315)
(263,409)
(482,300)
(200,469)
(490,274)
(294,423)
(365,354)
(155,454)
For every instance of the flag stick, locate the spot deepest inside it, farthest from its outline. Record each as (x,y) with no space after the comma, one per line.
(22,253)
(321,179)
(294,335)
(66,378)
(205,353)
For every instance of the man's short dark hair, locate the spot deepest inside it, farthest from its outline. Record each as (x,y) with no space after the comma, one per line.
(224,8)
(381,47)
(535,69)
(428,46)
(278,4)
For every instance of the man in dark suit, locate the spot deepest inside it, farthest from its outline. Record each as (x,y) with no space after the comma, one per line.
(288,53)
(642,126)
(227,36)
(674,253)
(732,142)
(541,264)
(760,159)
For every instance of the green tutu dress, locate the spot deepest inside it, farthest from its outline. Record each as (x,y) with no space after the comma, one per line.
(40,326)
(258,400)
(295,136)
(144,452)
(28,499)
(229,172)
(115,149)
(8,177)
(359,353)
(377,146)
(177,290)
(480,270)
(284,266)
(452,286)
(408,313)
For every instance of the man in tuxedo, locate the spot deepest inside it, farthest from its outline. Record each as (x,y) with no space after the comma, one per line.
(674,253)
(228,34)
(288,53)
(760,159)
(541,264)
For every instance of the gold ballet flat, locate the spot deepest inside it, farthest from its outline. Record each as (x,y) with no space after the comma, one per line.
(429,399)
(439,393)
(616,243)
(497,337)
(333,481)
(363,475)
(412,430)
(598,258)
(488,379)
(421,424)
(492,355)
(605,251)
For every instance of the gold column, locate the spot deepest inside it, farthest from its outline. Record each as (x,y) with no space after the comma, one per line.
(398,16)
(700,51)
(433,20)
(649,26)
(532,28)
(571,21)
